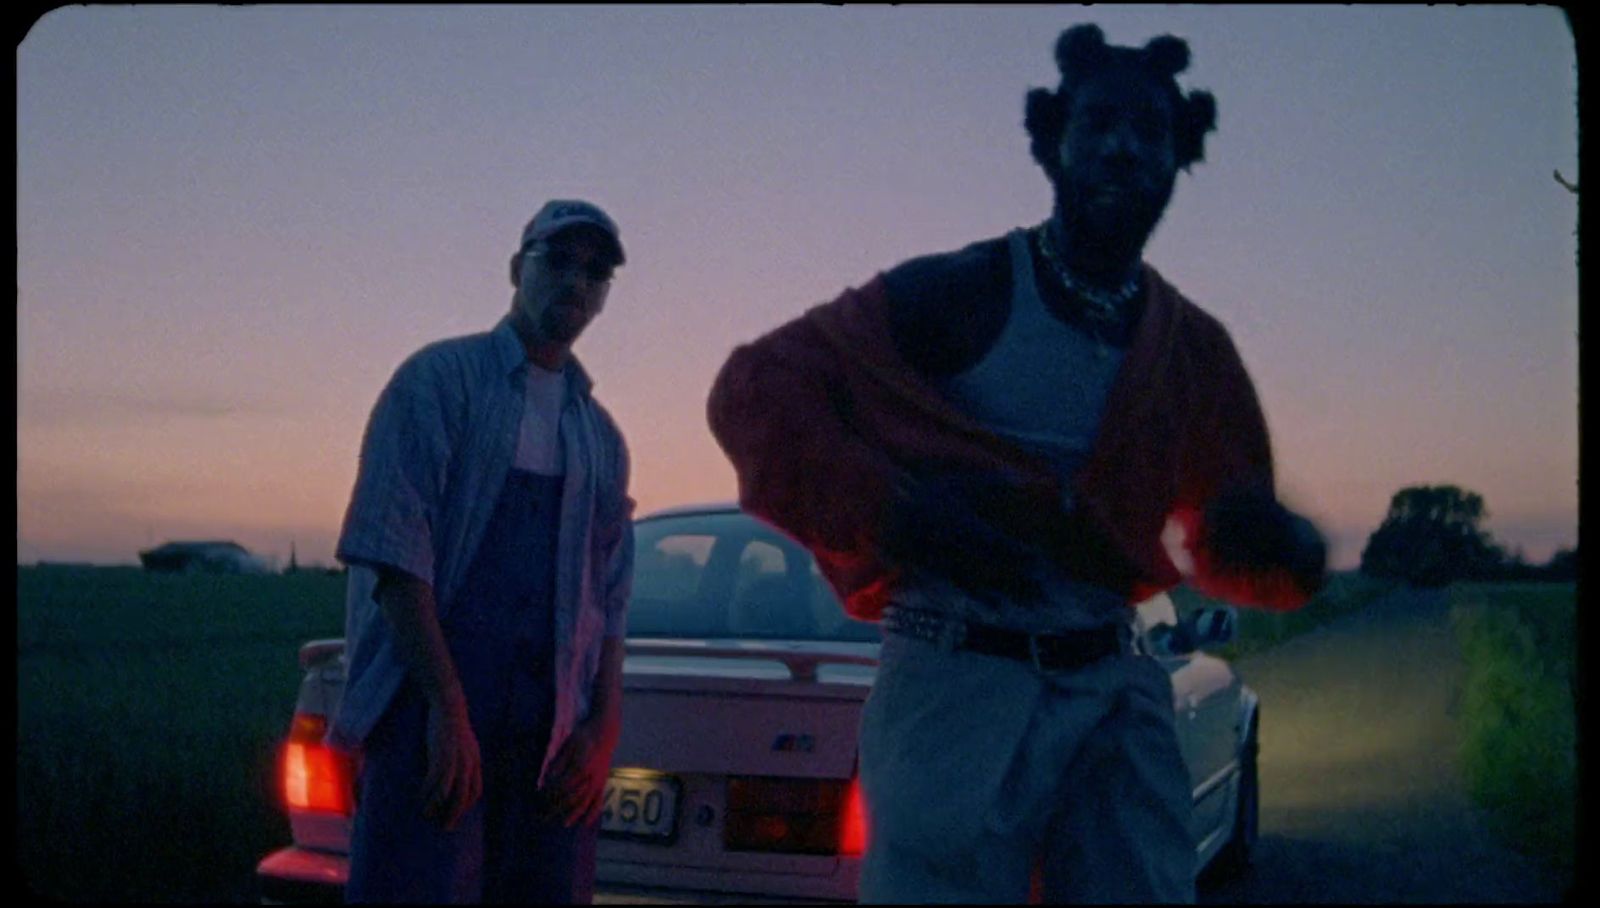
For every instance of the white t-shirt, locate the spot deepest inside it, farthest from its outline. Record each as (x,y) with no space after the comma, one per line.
(538,440)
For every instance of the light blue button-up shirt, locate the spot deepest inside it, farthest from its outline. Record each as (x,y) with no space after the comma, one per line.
(438,447)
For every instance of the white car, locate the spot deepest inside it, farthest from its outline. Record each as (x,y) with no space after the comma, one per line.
(736,775)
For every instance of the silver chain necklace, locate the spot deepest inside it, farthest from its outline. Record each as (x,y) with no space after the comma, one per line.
(1104,306)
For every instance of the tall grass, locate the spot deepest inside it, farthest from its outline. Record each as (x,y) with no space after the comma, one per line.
(1344,593)
(149,712)
(1518,735)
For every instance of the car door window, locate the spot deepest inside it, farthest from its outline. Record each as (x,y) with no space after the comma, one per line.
(671,568)
(770,598)
(669,588)
(760,561)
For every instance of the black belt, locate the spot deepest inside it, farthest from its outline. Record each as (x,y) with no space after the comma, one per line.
(1046,652)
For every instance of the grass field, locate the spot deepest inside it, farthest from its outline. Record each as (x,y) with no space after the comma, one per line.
(149,711)
(1518,744)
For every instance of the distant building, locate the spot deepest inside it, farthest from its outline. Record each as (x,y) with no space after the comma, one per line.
(218,557)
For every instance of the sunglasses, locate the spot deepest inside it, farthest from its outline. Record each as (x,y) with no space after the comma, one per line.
(562,260)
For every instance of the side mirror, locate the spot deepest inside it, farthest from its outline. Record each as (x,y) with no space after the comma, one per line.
(1214,626)
(1208,627)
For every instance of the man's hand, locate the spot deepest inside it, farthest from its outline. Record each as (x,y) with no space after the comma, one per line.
(575,788)
(454,780)
(1249,530)
(932,524)
(455,773)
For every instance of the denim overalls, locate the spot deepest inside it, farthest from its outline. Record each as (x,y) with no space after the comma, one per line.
(499,633)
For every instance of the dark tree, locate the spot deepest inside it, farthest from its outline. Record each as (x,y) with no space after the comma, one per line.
(1563,565)
(1432,536)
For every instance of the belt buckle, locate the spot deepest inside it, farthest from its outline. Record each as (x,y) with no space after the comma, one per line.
(952,633)
(1033,654)
(1132,641)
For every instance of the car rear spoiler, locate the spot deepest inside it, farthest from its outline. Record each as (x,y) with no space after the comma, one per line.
(317,652)
(802,665)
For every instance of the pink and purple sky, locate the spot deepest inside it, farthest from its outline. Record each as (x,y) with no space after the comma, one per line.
(234,222)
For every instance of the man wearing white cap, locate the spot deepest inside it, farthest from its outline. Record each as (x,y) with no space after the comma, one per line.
(490,545)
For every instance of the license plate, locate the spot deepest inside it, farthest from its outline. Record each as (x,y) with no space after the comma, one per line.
(640,804)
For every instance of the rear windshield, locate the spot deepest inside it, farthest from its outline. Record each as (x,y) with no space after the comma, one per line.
(727,575)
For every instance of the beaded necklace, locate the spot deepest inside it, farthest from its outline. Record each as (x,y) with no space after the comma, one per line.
(1102,308)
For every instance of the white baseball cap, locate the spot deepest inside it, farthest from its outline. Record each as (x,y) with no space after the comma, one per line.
(559,214)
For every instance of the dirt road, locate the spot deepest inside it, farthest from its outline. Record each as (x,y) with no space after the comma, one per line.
(1361,798)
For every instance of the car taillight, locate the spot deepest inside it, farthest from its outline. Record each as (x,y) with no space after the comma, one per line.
(794,816)
(315,776)
(853,831)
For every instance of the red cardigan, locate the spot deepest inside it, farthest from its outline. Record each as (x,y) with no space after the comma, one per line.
(815,414)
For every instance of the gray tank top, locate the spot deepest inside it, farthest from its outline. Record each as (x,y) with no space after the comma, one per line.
(1043,385)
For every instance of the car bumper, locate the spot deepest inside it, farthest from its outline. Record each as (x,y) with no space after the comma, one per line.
(298,876)
(614,894)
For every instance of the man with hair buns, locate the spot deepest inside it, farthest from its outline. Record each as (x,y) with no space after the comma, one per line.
(982,448)
(490,544)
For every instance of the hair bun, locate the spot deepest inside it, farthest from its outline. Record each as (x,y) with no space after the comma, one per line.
(1167,54)
(1079,47)
(1202,111)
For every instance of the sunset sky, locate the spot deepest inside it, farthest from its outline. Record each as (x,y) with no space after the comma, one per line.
(234,222)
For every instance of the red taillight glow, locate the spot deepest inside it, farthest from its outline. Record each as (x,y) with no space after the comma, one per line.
(315,777)
(795,816)
(853,826)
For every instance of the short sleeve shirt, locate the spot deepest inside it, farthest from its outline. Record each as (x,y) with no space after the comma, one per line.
(438,446)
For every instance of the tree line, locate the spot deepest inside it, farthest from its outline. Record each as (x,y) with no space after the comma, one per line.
(1433,535)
